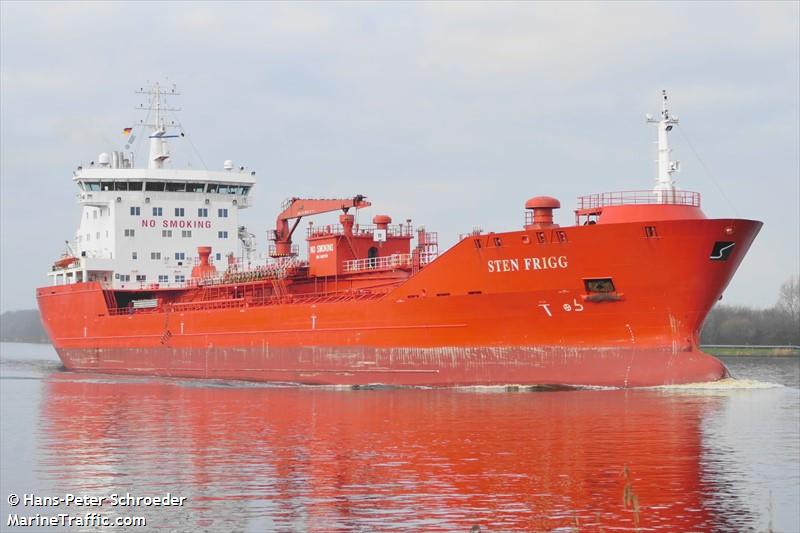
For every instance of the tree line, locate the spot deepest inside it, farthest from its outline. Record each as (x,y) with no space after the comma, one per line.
(777,325)
(726,324)
(22,326)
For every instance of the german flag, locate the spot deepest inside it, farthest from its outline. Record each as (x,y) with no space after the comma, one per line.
(127,131)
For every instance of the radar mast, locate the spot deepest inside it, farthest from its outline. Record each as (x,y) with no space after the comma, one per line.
(665,186)
(157,103)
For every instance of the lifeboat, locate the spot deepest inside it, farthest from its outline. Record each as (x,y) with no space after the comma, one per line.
(65,262)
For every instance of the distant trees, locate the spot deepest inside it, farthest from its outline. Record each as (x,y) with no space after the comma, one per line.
(789,298)
(743,325)
(22,326)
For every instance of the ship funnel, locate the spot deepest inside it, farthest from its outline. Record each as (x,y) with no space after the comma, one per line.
(204,269)
(540,214)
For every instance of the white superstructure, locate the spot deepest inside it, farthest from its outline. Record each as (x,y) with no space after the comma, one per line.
(142,226)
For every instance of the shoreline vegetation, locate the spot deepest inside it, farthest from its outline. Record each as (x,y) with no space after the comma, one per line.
(734,350)
(728,330)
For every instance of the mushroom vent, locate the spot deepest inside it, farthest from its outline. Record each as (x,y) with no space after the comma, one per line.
(542,202)
(542,207)
(382,221)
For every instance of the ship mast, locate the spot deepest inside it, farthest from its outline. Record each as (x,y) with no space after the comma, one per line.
(159,150)
(665,187)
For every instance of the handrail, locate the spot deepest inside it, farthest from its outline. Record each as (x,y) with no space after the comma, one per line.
(607,199)
(392,230)
(387,262)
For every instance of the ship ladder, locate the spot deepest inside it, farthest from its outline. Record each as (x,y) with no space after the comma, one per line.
(279,289)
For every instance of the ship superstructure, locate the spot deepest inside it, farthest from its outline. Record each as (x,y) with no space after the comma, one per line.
(617,299)
(139,226)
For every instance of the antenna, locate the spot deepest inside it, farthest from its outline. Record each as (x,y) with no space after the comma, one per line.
(157,102)
(665,187)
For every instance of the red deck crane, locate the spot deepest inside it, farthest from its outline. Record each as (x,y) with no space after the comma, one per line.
(297,208)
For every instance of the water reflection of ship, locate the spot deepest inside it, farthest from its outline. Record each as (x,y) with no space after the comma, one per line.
(318,459)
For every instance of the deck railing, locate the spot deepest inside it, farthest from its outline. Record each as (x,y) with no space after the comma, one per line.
(606,199)
(257,301)
(393,230)
(387,262)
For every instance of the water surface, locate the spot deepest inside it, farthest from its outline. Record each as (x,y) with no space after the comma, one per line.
(252,457)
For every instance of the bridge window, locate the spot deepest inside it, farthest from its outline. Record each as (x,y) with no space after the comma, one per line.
(92,185)
(175,187)
(134,185)
(212,187)
(157,186)
(120,185)
(195,187)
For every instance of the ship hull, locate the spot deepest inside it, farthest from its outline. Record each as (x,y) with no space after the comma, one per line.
(443,366)
(504,310)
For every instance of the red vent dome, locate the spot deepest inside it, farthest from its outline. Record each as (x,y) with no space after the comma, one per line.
(543,202)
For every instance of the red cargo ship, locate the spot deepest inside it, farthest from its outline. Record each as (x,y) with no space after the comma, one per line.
(617,299)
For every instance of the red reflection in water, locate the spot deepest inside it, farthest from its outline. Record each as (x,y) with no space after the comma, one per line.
(304,458)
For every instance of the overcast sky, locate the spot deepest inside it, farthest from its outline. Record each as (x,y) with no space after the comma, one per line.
(452,114)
